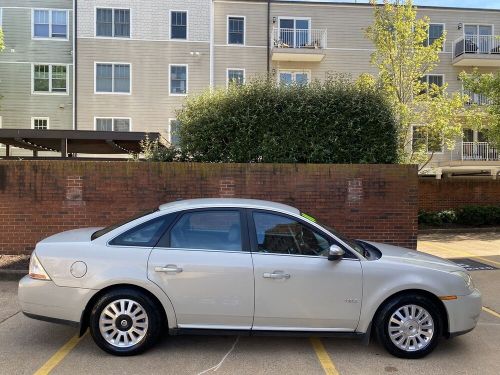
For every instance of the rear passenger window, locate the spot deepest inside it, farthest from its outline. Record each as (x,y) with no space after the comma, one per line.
(146,234)
(208,230)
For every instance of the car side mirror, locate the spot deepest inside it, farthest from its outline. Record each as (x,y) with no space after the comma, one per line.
(335,253)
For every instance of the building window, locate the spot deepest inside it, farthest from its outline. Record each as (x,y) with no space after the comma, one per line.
(288,78)
(436,31)
(109,124)
(173,131)
(178,79)
(50,79)
(236,30)
(178,22)
(432,79)
(40,123)
(112,78)
(50,23)
(421,139)
(113,23)
(235,77)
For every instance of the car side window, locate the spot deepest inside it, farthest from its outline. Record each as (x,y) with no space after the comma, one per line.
(146,234)
(283,235)
(208,230)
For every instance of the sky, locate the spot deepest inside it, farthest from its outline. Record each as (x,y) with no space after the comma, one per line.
(491,4)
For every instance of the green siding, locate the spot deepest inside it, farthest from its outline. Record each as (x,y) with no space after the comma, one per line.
(18,104)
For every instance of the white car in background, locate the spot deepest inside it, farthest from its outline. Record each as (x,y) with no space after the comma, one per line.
(245,267)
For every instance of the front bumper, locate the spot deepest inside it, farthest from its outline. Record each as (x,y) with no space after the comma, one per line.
(43,299)
(463,313)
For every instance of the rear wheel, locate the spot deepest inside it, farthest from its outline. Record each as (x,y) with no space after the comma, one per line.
(409,326)
(125,322)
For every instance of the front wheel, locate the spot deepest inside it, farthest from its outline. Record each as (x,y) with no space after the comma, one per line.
(409,326)
(125,322)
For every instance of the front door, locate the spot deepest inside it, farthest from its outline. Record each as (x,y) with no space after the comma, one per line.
(204,266)
(296,286)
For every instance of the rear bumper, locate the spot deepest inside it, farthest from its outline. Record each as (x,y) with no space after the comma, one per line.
(463,313)
(44,300)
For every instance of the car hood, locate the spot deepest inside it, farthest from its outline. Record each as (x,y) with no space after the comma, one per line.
(417,258)
(75,235)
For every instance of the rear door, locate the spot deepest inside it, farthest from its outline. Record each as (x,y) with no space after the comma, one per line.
(204,265)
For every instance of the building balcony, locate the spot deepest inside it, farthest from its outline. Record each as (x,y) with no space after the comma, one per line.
(303,45)
(474,50)
(479,151)
(478,99)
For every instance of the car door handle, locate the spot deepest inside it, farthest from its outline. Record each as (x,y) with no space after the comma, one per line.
(276,275)
(169,268)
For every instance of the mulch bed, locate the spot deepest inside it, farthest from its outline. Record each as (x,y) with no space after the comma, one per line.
(14,262)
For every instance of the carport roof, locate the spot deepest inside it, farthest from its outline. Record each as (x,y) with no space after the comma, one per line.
(75,141)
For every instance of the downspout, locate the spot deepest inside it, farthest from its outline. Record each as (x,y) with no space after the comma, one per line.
(212,65)
(268,37)
(75,11)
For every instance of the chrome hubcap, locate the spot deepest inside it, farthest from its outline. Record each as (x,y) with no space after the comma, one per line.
(411,328)
(123,323)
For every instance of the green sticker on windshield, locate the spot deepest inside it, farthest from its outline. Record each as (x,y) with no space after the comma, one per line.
(308,217)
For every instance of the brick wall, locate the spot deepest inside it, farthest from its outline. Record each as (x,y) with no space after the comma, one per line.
(436,195)
(39,198)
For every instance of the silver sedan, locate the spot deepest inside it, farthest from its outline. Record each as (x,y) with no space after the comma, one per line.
(246,267)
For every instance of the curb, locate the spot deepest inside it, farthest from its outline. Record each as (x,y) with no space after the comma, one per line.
(12,275)
(458,230)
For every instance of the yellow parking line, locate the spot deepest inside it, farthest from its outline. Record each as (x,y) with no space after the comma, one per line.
(461,253)
(324,358)
(59,355)
(492,312)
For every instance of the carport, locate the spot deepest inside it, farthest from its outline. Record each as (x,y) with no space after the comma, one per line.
(72,142)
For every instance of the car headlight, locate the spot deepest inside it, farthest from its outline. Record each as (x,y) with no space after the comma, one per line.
(36,270)
(466,277)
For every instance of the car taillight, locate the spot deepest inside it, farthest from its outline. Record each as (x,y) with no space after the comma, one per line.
(36,270)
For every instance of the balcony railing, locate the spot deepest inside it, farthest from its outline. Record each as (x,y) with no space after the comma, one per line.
(478,99)
(298,38)
(477,44)
(479,151)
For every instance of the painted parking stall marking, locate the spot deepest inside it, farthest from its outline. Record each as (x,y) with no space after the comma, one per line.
(59,355)
(323,357)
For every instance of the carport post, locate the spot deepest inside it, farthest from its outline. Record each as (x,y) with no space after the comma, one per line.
(64,148)
(35,153)
(7,151)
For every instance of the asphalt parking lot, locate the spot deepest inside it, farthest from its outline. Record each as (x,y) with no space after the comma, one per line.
(28,346)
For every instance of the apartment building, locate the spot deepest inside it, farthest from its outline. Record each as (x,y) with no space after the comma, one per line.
(137,61)
(36,66)
(299,41)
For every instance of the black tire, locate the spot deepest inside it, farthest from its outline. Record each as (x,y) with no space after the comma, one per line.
(390,307)
(154,321)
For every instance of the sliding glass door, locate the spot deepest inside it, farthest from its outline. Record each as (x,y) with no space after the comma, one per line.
(295,32)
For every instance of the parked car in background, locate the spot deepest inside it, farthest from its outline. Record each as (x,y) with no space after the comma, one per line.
(247,267)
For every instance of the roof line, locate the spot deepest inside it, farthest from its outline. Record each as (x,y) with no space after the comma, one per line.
(345,3)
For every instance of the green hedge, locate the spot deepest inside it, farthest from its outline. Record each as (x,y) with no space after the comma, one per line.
(330,122)
(469,216)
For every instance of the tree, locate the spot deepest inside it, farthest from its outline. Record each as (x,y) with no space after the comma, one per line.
(489,115)
(2,46)
(262,121)
(403,57)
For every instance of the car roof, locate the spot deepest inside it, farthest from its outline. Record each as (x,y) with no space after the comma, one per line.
(227,202)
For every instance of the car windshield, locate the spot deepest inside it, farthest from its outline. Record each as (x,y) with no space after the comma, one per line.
(352,243)
(102,232)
